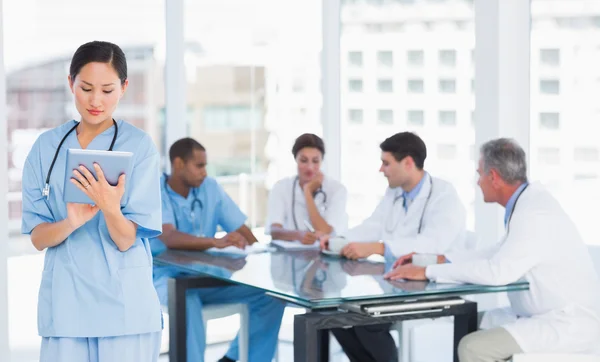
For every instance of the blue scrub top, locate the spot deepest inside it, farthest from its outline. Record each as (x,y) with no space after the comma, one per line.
(89,288)
(212,207)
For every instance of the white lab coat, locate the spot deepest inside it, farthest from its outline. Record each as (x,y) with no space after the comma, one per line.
(560,312)
(442,229)
(331,205)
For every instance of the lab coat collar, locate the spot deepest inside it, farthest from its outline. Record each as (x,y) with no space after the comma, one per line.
(510,205)
(419,192)
(412,194)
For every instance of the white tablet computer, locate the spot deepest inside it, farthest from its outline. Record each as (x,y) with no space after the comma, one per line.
(112,163)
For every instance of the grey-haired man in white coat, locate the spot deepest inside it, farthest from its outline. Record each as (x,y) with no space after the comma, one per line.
(560,313)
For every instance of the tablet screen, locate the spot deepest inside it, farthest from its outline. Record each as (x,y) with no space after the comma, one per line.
(112,163)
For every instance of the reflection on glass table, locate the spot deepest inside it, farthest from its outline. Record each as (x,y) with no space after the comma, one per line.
(313,280)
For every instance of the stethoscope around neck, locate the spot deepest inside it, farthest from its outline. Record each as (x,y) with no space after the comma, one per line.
(46,190)
(319,191)
(391,230)
(195,201)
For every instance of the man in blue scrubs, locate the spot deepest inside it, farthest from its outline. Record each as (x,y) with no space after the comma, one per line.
(193,206)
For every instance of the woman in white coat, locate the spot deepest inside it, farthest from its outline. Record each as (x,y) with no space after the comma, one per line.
(308,200)
(560,313)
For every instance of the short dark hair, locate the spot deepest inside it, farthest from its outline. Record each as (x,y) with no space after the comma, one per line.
(308,140)
(406,144)
(184,148)
(101,52)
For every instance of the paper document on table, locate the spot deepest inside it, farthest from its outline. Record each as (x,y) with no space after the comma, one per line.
(250,249)
(295,245)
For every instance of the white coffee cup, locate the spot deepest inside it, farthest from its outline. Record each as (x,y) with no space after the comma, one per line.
(424,259)
(336,244)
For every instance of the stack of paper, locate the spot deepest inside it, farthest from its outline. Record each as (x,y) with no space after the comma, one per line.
(250,249)
(295,245)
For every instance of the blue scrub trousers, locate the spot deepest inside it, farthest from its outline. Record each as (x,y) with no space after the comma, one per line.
(265,318)
(137,347)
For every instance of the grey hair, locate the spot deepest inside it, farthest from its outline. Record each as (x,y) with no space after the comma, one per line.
(507,158)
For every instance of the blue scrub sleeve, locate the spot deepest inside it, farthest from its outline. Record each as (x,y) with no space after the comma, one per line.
(35,209)
(168,214)
(230,216)
(143,206)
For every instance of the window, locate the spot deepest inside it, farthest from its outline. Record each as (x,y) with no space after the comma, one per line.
(447,118)
(411,52)
(355,116)
(415,58)
(447,152)
(135,94)
(229,166)
(549,86)
(355,85)
(586,154)
(385,85)
(550,120)
(447,86)
(385,116)
(298,86)
(550,57)
(549,155)
(447,58)
(564,63)
(415,86)
(355,59)
(231,118)
(385,59)
(585,176)
(415,118)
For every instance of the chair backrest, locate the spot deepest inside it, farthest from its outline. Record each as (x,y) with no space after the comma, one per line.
(595,254)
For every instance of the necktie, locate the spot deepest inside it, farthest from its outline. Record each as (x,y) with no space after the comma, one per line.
(407,202)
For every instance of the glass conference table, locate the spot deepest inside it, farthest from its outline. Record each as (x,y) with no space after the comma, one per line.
(336,292)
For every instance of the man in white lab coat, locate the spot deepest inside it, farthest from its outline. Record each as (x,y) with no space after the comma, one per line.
(560,313)
(418,212)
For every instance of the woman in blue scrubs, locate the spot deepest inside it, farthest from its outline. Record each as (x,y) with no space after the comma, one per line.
(96,300)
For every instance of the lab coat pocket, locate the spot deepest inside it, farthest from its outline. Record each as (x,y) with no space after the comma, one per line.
(44,310)
(141,305)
